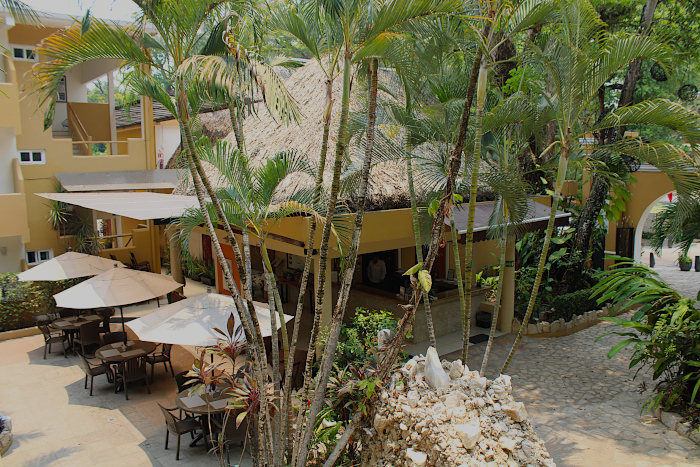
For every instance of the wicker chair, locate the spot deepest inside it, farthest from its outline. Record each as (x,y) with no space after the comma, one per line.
(94,369)
(161,357)
(130,370)
(89,335)
(112,337)
(142,266)
(53,338)
(178,426)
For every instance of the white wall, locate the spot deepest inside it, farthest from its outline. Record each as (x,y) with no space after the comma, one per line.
(8,151)
(167,141)
(13,250)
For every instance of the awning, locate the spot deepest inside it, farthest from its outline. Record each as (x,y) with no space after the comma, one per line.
(162,179)
(136,205)
(536,219)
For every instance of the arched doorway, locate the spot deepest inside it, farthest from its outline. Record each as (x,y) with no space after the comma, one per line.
(642,220)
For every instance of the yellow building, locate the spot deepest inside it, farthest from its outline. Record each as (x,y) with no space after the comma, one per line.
(33,160)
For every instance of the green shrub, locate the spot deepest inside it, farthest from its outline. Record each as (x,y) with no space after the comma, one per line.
(358,339)
(20,301)
(573,304)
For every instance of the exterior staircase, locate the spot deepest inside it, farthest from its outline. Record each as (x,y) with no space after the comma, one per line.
(67,134)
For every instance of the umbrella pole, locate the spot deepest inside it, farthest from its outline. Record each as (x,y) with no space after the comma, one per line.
(121,311)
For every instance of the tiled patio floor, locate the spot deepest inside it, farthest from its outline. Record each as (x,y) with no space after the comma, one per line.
(56,422)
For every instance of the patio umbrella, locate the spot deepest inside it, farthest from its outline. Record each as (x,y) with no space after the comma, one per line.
(192,321)
(69,265)
(116,287)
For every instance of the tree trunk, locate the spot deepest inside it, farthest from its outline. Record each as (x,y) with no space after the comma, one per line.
(469,236)
(348,273)
(497,307)
(301,444)
(600,186)
(419,247)
(304,281)
(561,175)
(464,308)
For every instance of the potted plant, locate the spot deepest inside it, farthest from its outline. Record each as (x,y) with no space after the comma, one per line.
(684,262)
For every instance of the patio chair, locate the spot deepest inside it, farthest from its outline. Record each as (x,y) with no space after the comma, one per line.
(178,426)
(161,357)
(174,297)
(89,335)
(67,312)
(106,314)
(53,338)
(112,337)
(142,266)
(94,369)
(130,370)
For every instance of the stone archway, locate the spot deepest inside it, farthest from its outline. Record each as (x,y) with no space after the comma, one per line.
(640,226)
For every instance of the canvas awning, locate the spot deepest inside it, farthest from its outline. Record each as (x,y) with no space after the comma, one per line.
(69,265)
(136,205)
(536,218)
(163,179)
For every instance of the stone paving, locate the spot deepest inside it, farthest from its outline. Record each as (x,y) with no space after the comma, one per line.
(587,408)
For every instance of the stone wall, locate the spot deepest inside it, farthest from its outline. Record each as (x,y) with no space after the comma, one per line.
(561,327)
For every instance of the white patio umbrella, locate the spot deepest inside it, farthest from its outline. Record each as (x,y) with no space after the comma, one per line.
(69,265)
(116,287)
(192,321)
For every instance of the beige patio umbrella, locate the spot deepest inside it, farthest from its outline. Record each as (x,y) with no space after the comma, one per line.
(191,322)
(116,287)
(70,265)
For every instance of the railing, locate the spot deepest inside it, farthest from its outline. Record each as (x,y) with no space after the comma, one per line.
(80,135)
(103,239)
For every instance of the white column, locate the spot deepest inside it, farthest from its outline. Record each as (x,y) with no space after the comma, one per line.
(112,115)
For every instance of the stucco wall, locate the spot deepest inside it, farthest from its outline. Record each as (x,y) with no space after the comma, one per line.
(13,250)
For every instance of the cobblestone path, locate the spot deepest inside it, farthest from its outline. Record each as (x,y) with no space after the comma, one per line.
(587,408)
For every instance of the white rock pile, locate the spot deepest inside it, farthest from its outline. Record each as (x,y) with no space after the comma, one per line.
(442,414)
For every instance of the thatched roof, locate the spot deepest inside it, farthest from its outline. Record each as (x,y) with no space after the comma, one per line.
(265,137)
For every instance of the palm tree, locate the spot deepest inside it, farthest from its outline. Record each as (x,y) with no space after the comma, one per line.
(679,223)
(577,59)
(20,11)
(179,26)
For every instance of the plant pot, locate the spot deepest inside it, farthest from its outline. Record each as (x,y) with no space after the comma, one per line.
(697,264)
(206,280)
(685,265)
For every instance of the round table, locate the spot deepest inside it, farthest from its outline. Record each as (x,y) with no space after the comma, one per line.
(205,408)
(73,323)
(115,353)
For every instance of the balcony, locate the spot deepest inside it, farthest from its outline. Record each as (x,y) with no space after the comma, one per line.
(9,91)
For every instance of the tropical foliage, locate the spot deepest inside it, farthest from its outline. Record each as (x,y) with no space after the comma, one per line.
(664,333)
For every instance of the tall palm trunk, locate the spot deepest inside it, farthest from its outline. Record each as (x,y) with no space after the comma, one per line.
(419,246)
(497,307)
(304,280)
(469,240)
(340,148)
(348,273)
(247,313)
(464,308)
(561,175)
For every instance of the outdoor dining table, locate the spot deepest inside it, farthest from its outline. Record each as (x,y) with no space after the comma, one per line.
(205,405)
(117,352)
(73,323)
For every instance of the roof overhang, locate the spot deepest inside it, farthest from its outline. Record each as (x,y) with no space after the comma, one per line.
(136,205)
(537,218)
(161,179)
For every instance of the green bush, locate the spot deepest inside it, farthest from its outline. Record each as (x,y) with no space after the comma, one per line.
(573,304)
(20,301)
(358,339)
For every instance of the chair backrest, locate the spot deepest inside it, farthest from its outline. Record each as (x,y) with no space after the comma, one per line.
(169,418)
(133,367)
(112,337)
(45,331)
(90,332)
(166,349)
(114,258)
(175,297)
(134,263)
(86,366)
(67,312)
(181,379)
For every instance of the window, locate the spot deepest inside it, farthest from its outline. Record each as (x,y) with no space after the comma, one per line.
(62,93)
(39,256)
(24,53)
(32,157)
